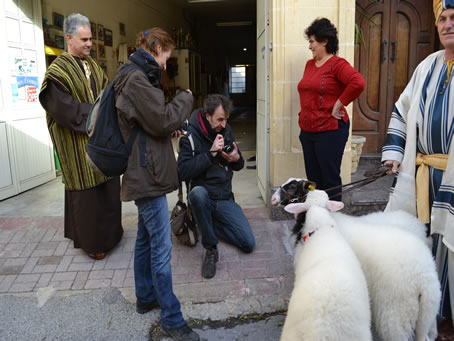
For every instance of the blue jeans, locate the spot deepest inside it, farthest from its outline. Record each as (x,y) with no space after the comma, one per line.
(152,273)
(220,218)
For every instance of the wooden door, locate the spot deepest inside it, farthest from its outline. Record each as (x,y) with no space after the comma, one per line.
(400,36)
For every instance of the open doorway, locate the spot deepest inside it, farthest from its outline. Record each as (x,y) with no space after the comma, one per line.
(224,36)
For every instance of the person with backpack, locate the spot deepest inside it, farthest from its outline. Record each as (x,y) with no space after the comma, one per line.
(70,87)
(152,172)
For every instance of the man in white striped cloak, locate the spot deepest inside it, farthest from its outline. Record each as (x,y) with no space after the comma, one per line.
(419,145)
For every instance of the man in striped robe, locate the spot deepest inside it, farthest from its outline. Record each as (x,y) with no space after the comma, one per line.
(420,141)
(71,85)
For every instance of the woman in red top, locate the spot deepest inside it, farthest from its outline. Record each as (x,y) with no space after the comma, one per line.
(329,84)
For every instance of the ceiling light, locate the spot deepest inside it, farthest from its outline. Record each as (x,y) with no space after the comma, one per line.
(234,23)
(196,1)
(244,49)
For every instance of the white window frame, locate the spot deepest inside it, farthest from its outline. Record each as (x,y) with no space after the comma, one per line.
(237,79)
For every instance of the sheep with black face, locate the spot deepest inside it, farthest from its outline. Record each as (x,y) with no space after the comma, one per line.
(293,190)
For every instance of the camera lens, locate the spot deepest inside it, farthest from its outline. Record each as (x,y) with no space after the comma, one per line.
(228,148)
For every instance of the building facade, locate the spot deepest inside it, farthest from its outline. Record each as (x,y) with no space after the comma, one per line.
(281,54)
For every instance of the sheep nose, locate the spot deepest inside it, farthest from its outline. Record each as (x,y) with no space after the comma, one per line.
(275,199)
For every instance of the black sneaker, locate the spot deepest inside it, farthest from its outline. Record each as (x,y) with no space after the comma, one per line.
(209,263)
(183,333)
(143,308)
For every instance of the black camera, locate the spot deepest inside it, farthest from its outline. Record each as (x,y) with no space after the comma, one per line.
(184,126)
(228,148)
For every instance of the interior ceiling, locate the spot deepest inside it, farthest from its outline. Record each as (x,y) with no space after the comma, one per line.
(220,11)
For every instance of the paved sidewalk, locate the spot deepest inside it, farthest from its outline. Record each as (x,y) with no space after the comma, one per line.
(34,254)
(94,300)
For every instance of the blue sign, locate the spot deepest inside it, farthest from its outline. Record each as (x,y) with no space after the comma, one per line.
(27,80)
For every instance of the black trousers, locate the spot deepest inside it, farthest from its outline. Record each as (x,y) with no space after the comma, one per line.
(323,156)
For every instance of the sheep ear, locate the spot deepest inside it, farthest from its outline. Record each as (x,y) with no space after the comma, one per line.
(295,208)
(334,206)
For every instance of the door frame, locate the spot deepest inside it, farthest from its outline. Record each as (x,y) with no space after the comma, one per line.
(263,100)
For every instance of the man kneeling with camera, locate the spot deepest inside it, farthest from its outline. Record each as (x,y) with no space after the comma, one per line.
(209,166)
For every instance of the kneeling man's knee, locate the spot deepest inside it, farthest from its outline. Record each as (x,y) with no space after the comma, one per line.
(198,195)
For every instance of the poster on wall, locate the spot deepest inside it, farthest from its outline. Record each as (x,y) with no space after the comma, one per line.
(32,95)
(27,88)
(25,66)
(14,92)
(25,85)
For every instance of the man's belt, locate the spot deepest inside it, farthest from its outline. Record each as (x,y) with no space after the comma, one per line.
(438,161)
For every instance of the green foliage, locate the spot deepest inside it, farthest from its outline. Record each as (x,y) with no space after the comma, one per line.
(362,11)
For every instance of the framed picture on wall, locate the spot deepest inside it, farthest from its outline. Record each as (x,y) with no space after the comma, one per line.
(93,30)
(94,51)
(122,29)
(103,65)
(100,32)
(58,20)
(101,51)
(107,37)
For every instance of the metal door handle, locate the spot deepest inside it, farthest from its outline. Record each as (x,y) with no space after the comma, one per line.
(393,51)
(384,47)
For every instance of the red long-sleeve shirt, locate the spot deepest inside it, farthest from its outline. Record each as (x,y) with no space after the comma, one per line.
(320,88)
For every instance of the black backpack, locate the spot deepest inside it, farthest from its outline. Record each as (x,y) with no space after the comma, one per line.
(106,152)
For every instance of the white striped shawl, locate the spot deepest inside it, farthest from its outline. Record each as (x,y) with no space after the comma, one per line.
(403,125)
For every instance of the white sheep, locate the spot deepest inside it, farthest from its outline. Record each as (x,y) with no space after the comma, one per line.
(330,299)
(400,273)
(400,219)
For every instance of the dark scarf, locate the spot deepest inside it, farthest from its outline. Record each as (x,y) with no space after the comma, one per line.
(149,65)
(206,127)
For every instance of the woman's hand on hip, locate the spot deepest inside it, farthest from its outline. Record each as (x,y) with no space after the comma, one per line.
(337,112)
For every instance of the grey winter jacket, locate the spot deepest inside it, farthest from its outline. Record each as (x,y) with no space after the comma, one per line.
(140,102)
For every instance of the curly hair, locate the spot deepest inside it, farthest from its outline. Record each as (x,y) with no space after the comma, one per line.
(150,40)
(213,101)
(322,29)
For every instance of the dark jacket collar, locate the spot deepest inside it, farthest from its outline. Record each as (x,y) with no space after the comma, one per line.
(149,65)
